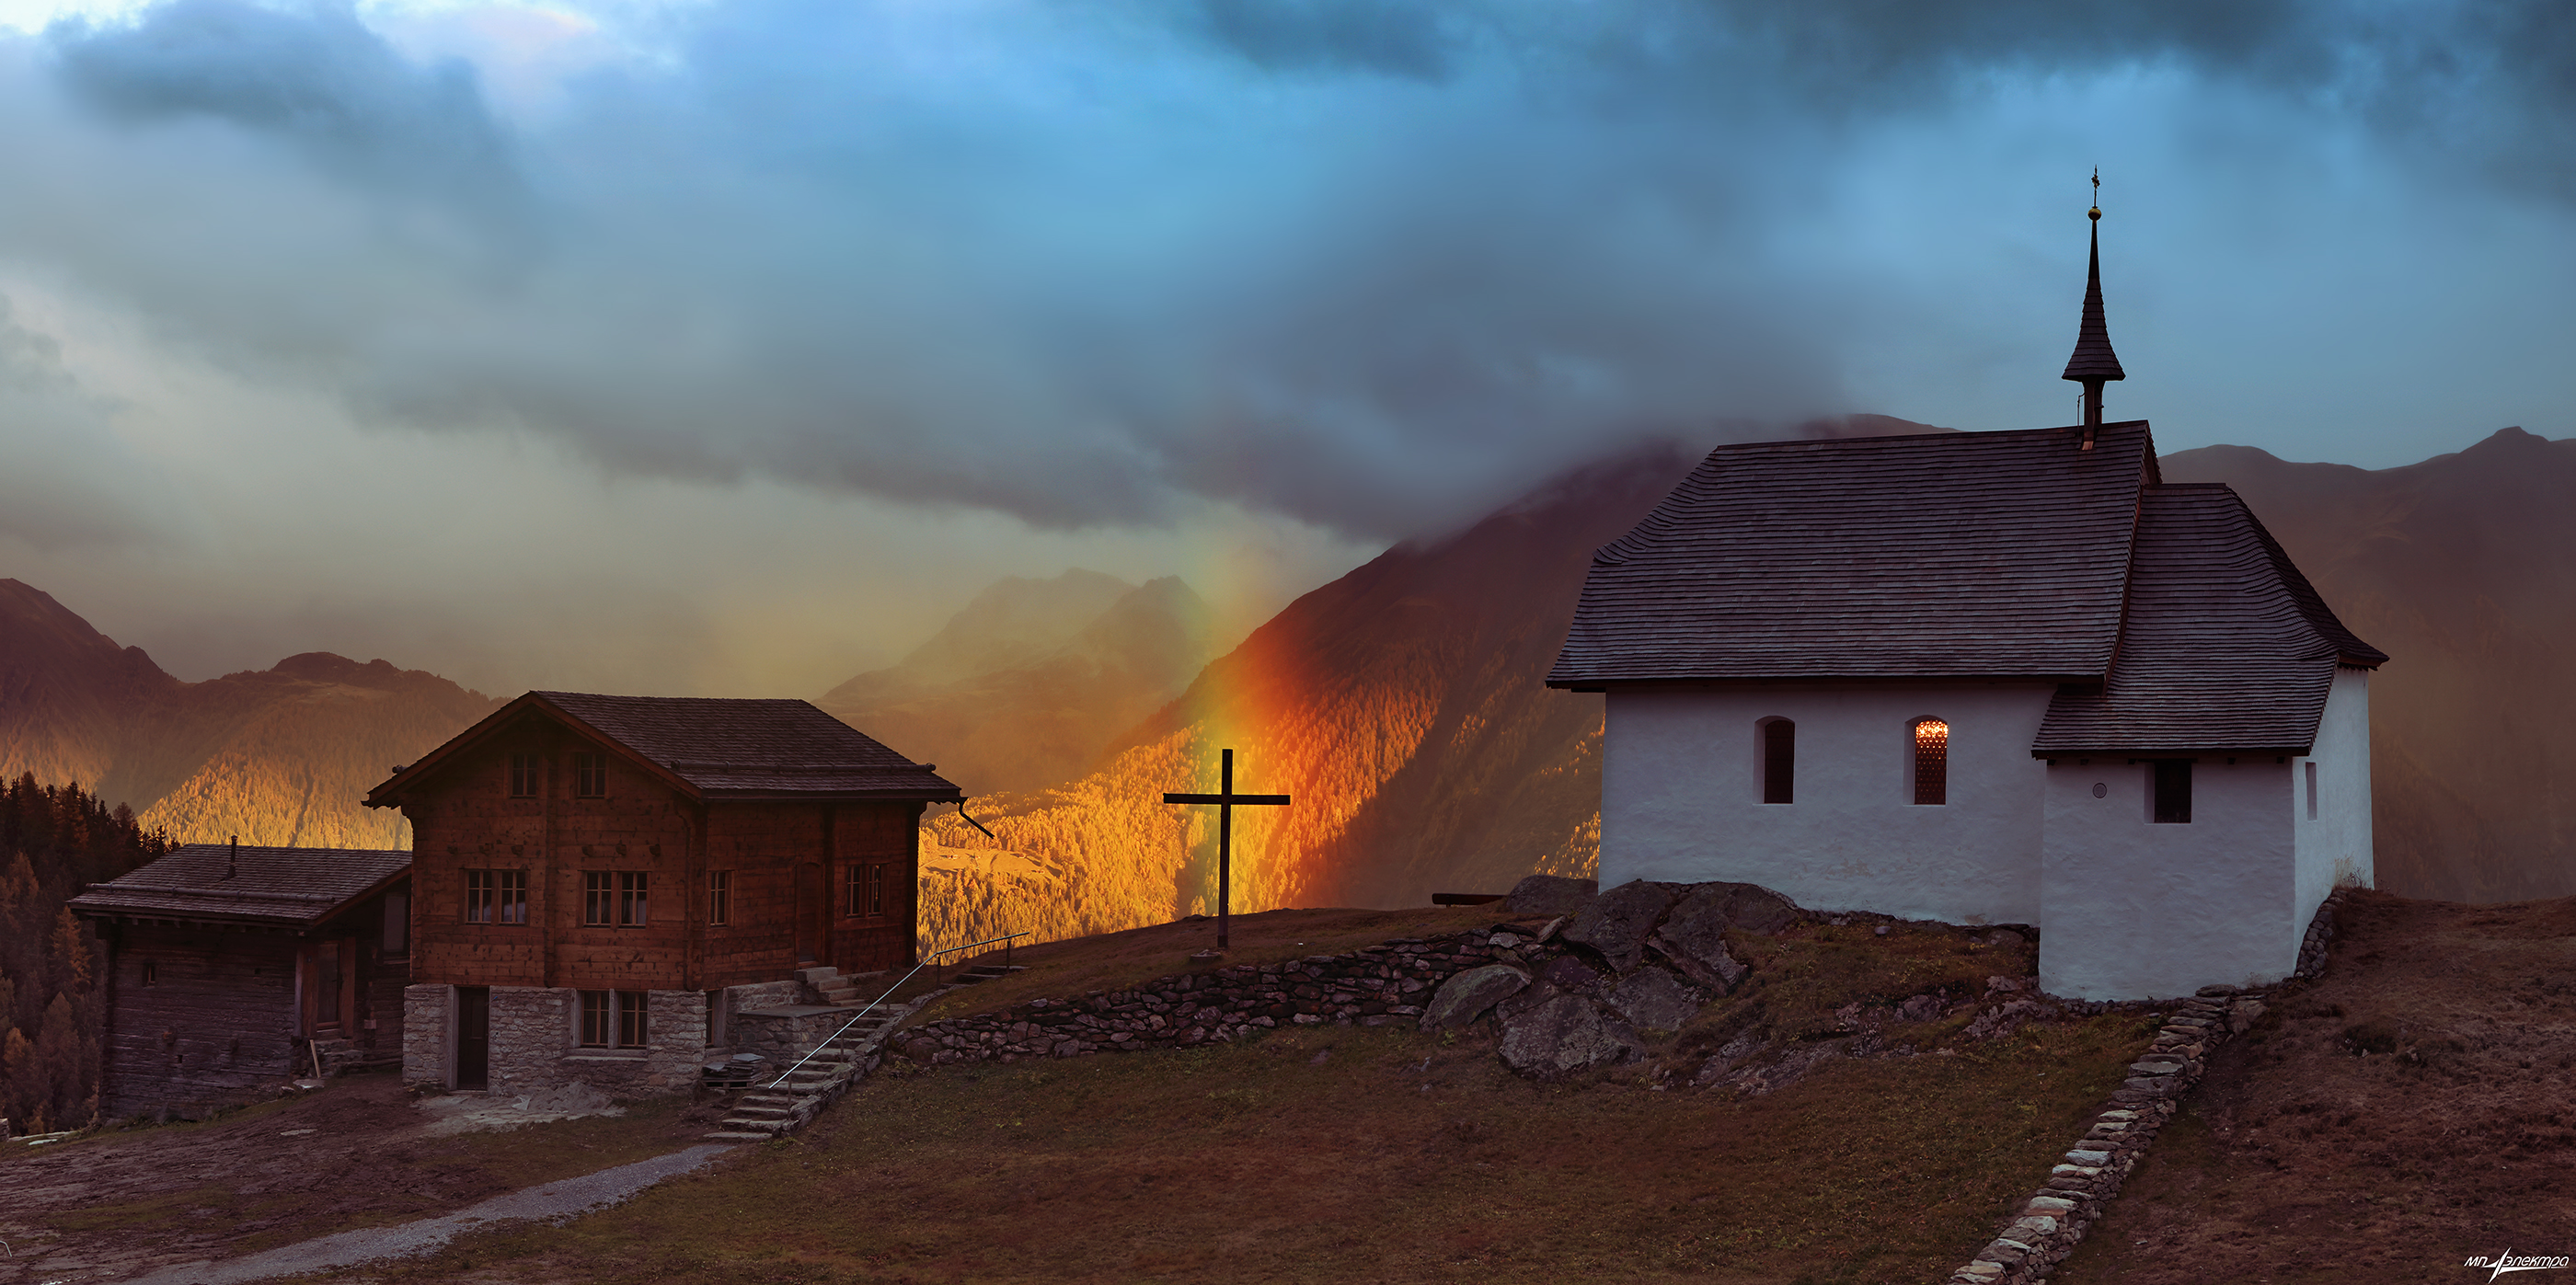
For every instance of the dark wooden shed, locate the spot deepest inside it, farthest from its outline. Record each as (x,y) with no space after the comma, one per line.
(231,966)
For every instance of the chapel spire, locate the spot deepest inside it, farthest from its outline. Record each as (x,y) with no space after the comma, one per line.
(2093,362)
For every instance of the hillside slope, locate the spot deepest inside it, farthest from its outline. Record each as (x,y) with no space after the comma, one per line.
(278,756)
(2463,569)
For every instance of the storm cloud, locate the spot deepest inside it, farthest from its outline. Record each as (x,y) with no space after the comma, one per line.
(1365,266)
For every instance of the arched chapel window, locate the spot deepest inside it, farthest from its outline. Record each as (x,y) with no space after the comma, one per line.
(1779,759)
(1931,761)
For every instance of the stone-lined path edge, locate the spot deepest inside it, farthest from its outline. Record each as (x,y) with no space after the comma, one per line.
(2053,1221)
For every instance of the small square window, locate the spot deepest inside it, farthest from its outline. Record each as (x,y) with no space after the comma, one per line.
(598,897)
(613,1019)
(510,897)
(523,776)
(478,896)
(590,776)
(2173,791)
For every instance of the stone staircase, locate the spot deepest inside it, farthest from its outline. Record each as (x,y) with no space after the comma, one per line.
(776,1106)
(981,973)
(835,990)
(779,1105)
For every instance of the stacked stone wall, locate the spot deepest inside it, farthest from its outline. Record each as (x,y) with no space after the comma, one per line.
(1378,986)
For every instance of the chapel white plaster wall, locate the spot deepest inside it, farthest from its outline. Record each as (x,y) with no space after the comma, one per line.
(2133,909)
(2336,848)
(1681,797)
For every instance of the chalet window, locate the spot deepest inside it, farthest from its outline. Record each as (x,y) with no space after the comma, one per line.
(1779,759)
(1931,761)
(612,1019)
(598,897)
(719,898)
(523,776)
(590,776)
(630,898)
(866,891)
(2173,791)
(496,896)
(630,1019)
(151,972)
(2312,791)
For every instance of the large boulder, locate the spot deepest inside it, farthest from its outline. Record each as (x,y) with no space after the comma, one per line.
(1550,895)
(1618,922)
(1757,909)
(1466,995)
(1564,1035)
(1655,1000)
(1693,936)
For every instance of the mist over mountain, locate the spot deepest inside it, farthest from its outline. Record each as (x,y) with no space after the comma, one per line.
(277,756)
(2463,569)
(1030,681)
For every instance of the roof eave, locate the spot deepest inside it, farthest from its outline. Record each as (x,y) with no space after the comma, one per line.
(2172,751)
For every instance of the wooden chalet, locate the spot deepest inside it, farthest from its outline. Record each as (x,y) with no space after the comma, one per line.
(619,858)
(231,966)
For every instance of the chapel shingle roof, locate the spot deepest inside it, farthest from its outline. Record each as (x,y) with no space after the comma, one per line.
(2093,358)
(1955,555)
(2227,646)
(719,747)
(269,887)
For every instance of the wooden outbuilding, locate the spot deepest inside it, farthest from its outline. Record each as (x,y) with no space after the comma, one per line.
(595,872)
(232,967)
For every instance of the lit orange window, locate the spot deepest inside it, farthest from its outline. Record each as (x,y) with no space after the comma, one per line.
(1931,761)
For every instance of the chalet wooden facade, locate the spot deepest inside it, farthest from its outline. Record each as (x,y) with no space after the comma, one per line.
(230,967)
(593,872)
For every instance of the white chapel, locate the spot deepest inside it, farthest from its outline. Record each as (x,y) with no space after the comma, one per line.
(1993,677)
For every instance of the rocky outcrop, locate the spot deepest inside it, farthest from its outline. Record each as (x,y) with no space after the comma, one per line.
(1564,1034)
(1617,923)
(1469,995)
(1549,896)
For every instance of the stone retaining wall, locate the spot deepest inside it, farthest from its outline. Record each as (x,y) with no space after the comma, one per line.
(1378,986)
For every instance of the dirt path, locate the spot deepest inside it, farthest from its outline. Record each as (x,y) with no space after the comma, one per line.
(356,1154)
(2412,1109)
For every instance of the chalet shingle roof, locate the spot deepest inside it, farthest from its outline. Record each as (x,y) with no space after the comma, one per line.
(1965,555)
(2227,646)
(734,746)
(719,747)
(272,887)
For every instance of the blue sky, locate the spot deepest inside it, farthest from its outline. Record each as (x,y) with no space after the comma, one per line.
(708,347)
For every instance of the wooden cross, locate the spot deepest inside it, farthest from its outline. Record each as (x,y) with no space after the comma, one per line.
(1225,800)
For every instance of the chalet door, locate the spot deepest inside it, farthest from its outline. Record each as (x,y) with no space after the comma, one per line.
(473,1037)
(809,912)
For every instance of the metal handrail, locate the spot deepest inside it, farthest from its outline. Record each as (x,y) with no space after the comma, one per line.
(826,1041)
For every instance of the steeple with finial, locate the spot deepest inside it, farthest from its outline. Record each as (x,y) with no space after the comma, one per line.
(2093,362)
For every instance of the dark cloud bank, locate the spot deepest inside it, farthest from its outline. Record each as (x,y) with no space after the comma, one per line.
(1363,264)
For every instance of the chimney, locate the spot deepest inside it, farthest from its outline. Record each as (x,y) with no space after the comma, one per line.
(232,859)
(2093,363)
